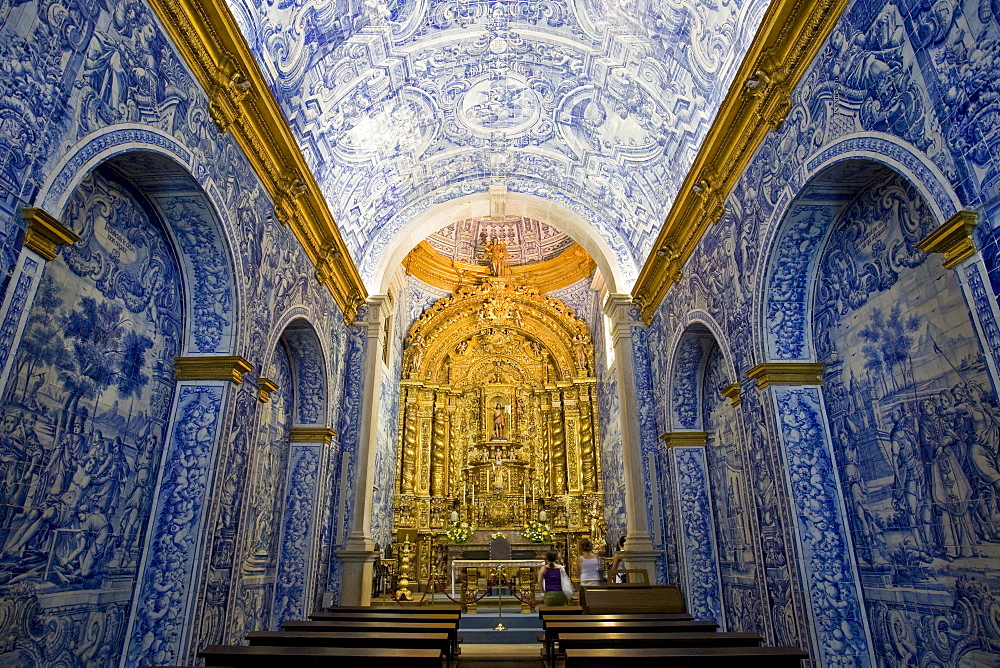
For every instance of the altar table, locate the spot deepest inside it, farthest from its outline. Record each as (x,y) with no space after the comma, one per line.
(523,567)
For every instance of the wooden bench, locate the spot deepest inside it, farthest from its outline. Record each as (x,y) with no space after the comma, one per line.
(438,641)
(688,657)
(637,598)
(620,617)
(553,629)
(569,641)
(258,656)
(355,626)
(387,616)
(560,609)
(404,609)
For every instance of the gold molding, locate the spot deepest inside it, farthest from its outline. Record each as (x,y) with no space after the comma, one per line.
(211,367)
(45,232)
(265,387)
(430,266)
(731,392)
(787,373)
(953,238)
(787,40)
(685,439)
(240,101)
(311,435)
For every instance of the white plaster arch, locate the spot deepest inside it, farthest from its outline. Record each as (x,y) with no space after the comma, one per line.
(518,204)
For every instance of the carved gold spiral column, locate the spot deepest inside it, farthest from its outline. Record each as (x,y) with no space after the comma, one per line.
(408,452)
(557,465)
(439,446)
(588,453)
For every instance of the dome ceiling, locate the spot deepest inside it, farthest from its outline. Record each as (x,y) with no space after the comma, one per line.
(527,240)
(595,105)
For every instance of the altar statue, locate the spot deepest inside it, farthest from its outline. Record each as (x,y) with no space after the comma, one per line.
(496,253)
(499,423)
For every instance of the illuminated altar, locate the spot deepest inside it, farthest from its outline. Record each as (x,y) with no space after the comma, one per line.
(498,421)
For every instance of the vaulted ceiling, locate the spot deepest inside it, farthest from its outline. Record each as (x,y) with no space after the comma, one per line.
(595,105)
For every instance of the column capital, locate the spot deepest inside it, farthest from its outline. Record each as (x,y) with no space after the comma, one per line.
(265,386)
(45,232)
(211,367)
(787,373)
(311,435)
(953,238)
(732,392)
(685,439)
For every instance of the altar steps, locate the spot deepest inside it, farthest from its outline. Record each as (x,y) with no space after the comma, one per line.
(521,628)
(500,656)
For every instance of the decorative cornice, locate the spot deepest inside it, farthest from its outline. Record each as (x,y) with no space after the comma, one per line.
(685,439)
(430,266)
(731,392)
(265,386)
(311,435)
(240,101)
(787,373)
(953,238)
(211,367)
(786,42)
(45,232)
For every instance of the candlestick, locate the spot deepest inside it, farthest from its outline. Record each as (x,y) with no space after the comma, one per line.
(465,488)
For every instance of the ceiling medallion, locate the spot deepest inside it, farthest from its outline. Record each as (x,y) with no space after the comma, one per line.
(506,104)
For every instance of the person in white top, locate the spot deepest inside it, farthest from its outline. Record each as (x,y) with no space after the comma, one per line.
(590,565)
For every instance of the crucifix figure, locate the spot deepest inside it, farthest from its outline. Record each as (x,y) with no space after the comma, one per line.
(499,422)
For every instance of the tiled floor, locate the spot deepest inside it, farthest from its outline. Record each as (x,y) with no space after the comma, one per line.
(501,656)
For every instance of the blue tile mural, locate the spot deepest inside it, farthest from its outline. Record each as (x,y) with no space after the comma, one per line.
(177,236)
(816,259)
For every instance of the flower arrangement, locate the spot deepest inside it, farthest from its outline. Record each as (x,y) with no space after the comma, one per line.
(460,533)
(497,534)
(537,532)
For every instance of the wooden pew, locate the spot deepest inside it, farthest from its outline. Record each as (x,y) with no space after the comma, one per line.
(688,657)
(351,625)
(620,617)
(652,598)
(439,641)
(386,617)
(560,609)
(403,609)
(247,656)
(569,641)
(553,629)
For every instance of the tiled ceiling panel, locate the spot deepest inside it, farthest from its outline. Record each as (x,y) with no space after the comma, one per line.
(596,105)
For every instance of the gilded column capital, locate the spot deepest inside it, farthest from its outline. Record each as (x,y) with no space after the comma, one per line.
(731,392)
(311,435)
(211,367)
(265,386)
(45,232)
(685,439)
(787,373)
(953,238)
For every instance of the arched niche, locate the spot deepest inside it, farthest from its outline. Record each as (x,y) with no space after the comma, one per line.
(189,206)
(88,404)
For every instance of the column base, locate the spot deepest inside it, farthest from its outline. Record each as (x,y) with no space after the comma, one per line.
(643,558)
(356,576)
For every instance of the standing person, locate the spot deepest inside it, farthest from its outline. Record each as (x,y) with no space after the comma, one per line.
(590,565)
(618,566)
(553,581)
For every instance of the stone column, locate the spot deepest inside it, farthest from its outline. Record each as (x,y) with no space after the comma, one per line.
(301,523)
(699,555)
(42,236)
(838,625)
(953,239)
(359,552)
(170,576)
(639,552)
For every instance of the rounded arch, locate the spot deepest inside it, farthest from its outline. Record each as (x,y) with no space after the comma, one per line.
(161,170)
(390,247)
(307,356)
(792,250)
(690,350)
